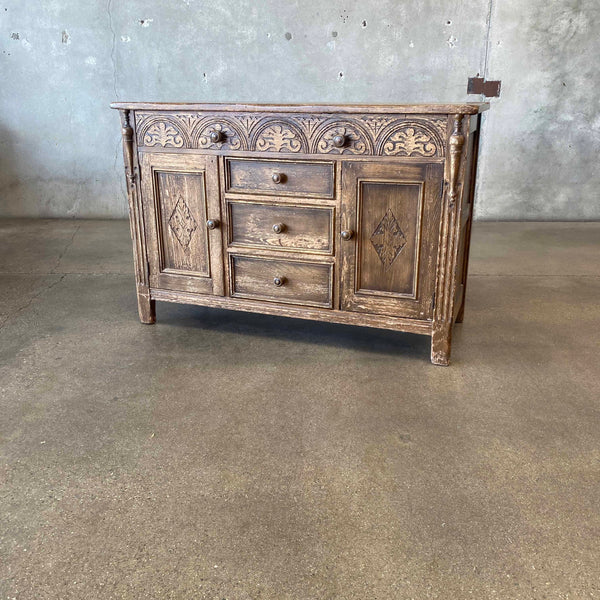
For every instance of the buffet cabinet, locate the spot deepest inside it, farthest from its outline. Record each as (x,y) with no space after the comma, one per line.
(350,214)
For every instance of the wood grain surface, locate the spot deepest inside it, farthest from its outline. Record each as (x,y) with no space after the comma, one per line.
(281,227)
(351,214)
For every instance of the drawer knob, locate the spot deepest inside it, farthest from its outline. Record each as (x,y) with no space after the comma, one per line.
(212,223)
(347,234)
(279,281)
(279,227)
(216,136)
(339,141)
(278,178)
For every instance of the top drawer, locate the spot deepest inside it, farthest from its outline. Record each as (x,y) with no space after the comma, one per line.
(280,177)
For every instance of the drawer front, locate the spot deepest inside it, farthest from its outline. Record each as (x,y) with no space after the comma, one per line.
(286,281)
(295,178)
(299,228)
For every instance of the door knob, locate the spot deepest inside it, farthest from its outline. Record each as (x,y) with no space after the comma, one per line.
(279,227)
(216,136)
(212,223)
(347,234)
(278,178)
(339,141)
(279,281)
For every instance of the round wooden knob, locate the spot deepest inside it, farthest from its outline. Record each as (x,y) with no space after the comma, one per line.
(216,136)
(278,177)
(212,223)
(339,141)
(347,234)
(279,281)
(279,227)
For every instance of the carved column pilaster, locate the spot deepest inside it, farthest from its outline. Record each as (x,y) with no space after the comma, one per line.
(448,248)
(457,141)
(136,220)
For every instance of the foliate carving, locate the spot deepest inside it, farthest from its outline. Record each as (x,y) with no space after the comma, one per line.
(189,120)
(388,239)
(279,137)
(441,126)
(354,141)
(163,134)
(247,122)
(375,124)
(412,140)
(182,223)
(228,136)
(309,123)
(419,136)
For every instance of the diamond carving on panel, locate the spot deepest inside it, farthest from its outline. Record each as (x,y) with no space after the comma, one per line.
(388,239)
(182,223)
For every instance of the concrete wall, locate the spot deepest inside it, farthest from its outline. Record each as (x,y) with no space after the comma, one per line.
(63,61)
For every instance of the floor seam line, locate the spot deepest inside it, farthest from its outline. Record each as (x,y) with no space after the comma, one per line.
(33,299)
(68,245)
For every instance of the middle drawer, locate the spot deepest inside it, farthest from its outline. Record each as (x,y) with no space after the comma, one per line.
(298,228)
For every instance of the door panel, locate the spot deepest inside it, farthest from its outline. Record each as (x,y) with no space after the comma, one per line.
(388,252)
(388,264)
(182,203)
(180,193)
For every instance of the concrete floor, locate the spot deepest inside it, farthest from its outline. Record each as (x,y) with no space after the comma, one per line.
(223,455)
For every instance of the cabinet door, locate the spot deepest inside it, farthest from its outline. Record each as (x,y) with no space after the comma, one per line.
(391,213)
(181,198)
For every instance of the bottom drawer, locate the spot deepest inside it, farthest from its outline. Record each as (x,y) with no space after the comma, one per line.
(287,281)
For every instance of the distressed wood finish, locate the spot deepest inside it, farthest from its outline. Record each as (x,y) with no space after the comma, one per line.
(278,280)
(146,306)
(282,178)
(302,228)
(350,214)
(180,198)
(441,337)
(388,264)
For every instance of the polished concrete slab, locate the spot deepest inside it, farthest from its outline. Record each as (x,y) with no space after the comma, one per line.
(227,455)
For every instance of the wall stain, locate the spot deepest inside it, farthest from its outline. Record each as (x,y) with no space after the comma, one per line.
(14,36)
(288,36)
(65,37)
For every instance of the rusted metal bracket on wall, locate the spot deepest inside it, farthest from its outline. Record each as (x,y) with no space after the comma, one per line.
(478,85)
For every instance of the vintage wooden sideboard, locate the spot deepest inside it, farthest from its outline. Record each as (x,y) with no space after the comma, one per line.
(352,214)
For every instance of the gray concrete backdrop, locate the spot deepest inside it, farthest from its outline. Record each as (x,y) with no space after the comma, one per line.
(63,61)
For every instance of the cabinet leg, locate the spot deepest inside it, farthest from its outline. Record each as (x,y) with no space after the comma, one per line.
(441,342)
(146,307)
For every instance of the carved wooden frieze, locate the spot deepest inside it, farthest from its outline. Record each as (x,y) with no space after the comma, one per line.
(411,139)
(418,136)
(278,136)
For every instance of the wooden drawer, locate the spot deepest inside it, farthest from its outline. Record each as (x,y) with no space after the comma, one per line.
(286,281)
(285,178)
(299,228)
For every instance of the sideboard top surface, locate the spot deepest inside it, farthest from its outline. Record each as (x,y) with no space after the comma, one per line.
(470,108)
